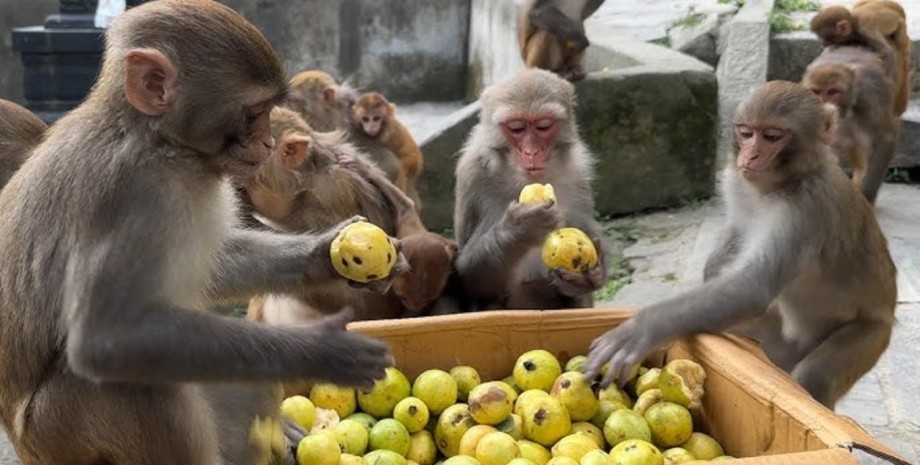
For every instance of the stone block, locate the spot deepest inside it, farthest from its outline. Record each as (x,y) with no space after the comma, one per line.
(697,40)
(408,49)
(436,183)
(655,148)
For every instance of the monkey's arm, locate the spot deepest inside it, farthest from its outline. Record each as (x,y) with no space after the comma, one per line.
(728,246)
(254,262)
(125,323)
(740,293)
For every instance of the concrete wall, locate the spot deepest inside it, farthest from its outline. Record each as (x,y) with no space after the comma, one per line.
(407,49)
(18,13)
(493,52)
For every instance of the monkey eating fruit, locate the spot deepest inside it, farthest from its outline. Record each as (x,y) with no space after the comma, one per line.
(363,252)
(570,249)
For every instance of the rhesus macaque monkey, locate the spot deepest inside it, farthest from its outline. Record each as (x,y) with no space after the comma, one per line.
(853,79)
(526,134)
(880,25)
(322,102)
(20,132)
(432,259)
(803,266)
(375,116)
(118,231)
(551,34)
(311,181)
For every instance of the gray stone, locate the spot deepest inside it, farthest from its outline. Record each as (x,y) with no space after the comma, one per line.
(647,158)
(743,65)
(904,359)
(408,50)
(791,53)
(865,403)
(908,153)
(436,183)
(494,50)
(13,14)
(698,39)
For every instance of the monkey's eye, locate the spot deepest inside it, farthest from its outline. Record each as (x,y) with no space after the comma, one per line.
(365,119)
(773,135)
(516,127)
(376,118)
(833,92)
(544,124)
(745,132)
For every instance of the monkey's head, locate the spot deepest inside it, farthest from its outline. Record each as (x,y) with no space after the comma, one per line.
(431,258)
(319,86)
(196,75)
(530,116)
(372,112)
(778,128)
(834,25)
(832,83)
(282,174)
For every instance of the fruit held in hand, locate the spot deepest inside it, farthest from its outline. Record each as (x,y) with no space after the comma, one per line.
(362,252)
(537,193)
(569,249)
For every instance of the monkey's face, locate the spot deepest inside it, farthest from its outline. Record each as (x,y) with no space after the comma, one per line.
(531,138)
(431,263)
(371,121)
(760,147)
(250,145)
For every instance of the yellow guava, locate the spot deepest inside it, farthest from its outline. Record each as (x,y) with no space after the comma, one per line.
(363,252)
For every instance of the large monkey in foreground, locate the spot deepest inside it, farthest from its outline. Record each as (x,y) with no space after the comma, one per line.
(853,79)
(526,134)
(803,266)
(119,230)
(551,35)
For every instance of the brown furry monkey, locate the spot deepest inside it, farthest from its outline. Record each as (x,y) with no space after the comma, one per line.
(853,79)
(803,266)
(551,35)
(20,132)
(375,117)
(880,25)
(119,230)
(526,134)
(322,102)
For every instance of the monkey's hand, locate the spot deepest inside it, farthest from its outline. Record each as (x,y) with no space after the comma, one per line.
(346,358)
(293,433)
(577,284)
(381,286)
(530,224)
(623,347)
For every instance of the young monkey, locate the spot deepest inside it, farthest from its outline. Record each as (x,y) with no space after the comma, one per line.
(375,117)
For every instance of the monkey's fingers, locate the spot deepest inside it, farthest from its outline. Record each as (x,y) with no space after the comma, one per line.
(340,319)
(293,432)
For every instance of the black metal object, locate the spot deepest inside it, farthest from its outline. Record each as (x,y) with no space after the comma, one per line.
(61,58)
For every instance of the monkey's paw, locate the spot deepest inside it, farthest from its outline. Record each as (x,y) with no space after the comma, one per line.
(531,223)
(623,347)
(347,358)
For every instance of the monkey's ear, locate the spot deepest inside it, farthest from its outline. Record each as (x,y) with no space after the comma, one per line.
(829,125)
(150,81)
(294,150)
(329,94)
(843,29)
(392,108)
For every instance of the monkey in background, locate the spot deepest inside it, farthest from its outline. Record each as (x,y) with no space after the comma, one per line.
(375,117)
(322,102)
(20,132)
(526,134)
(316,179)
(880,25)
(853,79)
(118,232)
(551,35)
(802,266)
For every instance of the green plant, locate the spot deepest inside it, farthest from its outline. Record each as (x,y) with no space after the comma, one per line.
(898,175)
(663,41)
(780,23)
(736,3)
(797,5)
(692,18)
(619,275)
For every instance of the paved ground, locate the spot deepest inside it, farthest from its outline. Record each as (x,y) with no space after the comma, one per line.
(669,255)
